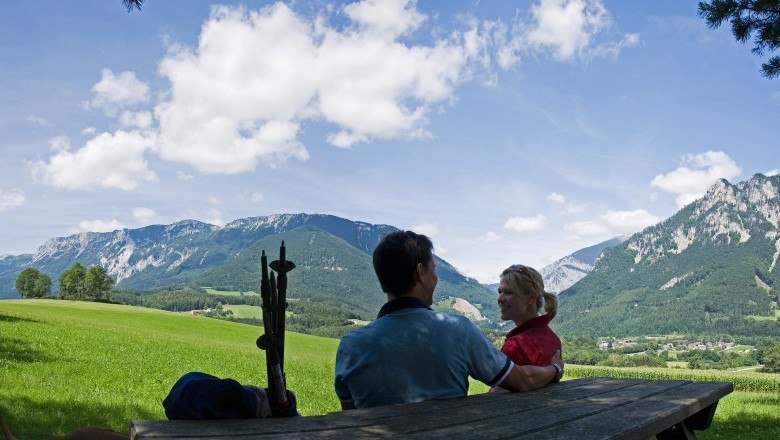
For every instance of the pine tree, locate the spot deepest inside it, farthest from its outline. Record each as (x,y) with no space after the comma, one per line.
(758,18)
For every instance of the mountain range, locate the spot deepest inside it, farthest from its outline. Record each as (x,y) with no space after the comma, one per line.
(711,267)
(333,255)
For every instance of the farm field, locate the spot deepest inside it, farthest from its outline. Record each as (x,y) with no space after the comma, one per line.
(211,291)
(71,364)
(244,311)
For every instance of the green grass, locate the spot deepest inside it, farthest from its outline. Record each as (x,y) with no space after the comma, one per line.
(244,311)
(750,412)
(211,291)
(774,317)
(70,364)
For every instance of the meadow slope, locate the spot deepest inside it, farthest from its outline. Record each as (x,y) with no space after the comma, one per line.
(68,364)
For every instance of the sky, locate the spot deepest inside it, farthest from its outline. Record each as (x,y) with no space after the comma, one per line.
(508,131)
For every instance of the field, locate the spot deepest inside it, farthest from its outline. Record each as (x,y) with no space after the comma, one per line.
(211,291)
(244,311)
(71,364)
(66,364)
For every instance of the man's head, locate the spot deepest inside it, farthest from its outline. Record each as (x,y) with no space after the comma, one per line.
(403,262)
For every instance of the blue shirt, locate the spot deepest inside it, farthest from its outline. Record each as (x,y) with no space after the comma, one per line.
(411,353)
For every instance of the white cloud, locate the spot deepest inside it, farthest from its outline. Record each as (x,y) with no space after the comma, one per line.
(385,18)
(213,200)
(98,226)
(623,222)
(59,143)
(108,160)
(40,121)
(772,172)
(215,217)
(11,198)
(89,131)
(586,228)
(525,224)
(429,229)
(145,216)
(184,177)
(257,197)
(142,119)
(117,91)
(567,27)
(233,106)
(556,198)
(696,174)
(490,237)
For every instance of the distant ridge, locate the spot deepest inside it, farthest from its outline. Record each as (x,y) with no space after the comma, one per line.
(708,268)
(334,256)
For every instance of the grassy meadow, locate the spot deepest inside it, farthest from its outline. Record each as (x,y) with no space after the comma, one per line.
(68,364)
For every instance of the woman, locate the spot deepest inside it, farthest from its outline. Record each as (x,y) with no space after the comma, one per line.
(522,299)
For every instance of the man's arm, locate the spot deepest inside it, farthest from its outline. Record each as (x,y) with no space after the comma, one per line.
(529,377)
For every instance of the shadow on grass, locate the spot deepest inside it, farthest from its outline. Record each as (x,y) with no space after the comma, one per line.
(7,318)
(19,351)
(30,419)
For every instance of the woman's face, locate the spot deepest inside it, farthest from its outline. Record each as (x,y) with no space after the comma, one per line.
(515,306)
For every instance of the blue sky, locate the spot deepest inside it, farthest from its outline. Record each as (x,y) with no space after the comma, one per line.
(508,131)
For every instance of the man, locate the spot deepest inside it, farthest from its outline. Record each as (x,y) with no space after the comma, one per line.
(411,353)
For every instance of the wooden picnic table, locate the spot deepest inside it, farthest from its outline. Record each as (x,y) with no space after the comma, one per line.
(589,408)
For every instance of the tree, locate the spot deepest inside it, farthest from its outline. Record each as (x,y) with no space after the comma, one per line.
(82,284)
(97,284)
(72,282)
(130,4)
(749,17)
(772,359)
(32,283)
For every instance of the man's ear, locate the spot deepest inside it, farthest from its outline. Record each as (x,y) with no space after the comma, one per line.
(419,272)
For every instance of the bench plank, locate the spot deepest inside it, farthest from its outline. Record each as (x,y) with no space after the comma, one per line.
(583,408)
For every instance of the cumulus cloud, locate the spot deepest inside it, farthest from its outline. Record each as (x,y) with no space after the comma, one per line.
(490,237)
(11,198)
(108,160)
(567,28)
(98,226)
(623,222)
(39,120)
(59,143)
(142,119)
(184,177)
(772,172)
(89,131)
(586,228)
(215,217)
(525,224)
(695,175)
(113,92)
(243,94)
(429,229)
(556,198)
(145,216)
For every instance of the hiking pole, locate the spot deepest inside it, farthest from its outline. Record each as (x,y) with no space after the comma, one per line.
(267,341)
(281,267)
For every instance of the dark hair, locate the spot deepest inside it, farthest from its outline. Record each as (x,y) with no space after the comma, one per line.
(396,257)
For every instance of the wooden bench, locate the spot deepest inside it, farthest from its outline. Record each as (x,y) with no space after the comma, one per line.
(590,408)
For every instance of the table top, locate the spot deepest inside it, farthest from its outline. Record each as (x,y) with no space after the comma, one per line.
(589,408)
